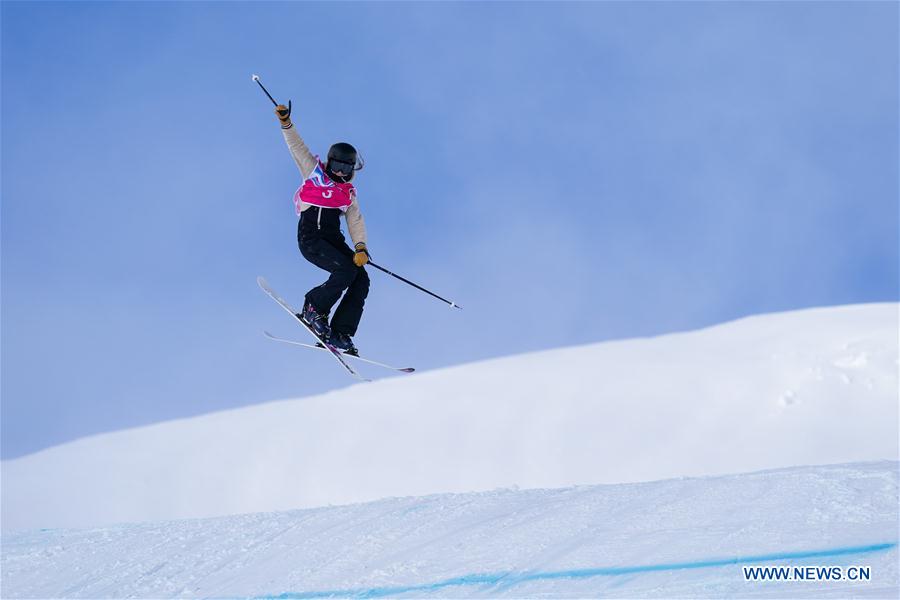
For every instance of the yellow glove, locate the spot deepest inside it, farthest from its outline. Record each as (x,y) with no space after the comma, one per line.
(284,115)
(362,255)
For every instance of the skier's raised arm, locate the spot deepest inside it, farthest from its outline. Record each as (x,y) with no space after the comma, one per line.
(305,160)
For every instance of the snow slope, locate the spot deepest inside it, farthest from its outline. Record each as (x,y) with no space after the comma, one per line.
(810,387)
(678,538)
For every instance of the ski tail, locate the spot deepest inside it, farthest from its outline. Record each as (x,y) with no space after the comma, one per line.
(320,346)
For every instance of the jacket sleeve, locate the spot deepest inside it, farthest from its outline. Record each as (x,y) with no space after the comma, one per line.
(305,160)
(355,223)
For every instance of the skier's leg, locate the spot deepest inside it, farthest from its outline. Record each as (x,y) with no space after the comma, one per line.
(327,257)
(349,311)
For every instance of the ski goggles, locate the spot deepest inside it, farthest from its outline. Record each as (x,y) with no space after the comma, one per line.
(339,166)
(336,164)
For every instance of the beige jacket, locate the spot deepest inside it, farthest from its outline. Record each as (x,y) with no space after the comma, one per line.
(306,162)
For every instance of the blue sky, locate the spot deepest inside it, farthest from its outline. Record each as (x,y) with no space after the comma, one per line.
(567,172)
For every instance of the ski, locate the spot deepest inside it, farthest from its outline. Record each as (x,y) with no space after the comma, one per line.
(331,349)
(319,346)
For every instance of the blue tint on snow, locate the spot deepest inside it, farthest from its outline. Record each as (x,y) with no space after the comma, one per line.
(511,578)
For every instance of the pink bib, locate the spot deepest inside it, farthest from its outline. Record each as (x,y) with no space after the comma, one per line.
(319,190)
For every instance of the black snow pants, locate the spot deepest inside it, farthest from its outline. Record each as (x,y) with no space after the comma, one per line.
(322,243)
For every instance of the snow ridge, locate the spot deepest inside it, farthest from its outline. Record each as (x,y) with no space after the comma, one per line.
(808,387)
(674,538)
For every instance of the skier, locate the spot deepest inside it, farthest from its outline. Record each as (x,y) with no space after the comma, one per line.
(325,195)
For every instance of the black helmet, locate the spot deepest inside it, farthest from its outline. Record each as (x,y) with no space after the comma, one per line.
(342,157)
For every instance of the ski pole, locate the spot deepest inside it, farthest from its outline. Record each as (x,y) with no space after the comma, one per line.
(256,79)
(418,287)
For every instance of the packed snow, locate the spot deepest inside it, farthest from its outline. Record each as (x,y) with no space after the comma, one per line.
(800,388)
(679,538)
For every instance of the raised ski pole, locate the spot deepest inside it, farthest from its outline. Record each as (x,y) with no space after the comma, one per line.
(418,287)
(256,79)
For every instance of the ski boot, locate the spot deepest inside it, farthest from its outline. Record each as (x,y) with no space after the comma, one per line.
(343,342)
(318,323)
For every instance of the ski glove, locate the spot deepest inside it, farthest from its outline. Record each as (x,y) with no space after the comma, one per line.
(362,255)
(284,115)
